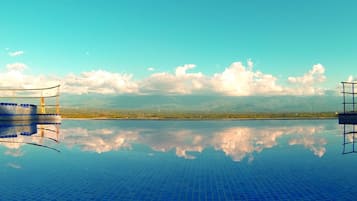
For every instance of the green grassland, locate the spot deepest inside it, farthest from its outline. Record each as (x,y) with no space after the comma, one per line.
(131,114)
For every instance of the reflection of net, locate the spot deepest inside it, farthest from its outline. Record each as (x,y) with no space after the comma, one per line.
(8,131)
(13,136)
(349,116)
(349,138)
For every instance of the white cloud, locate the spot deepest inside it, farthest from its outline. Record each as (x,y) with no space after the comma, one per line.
(236,80)
(16,67)
(150,69)
(316,74)
(250,64)
(15,77)
(306,84)
(16,53)
(351,79)
(179,83)
(99,81)
(181,70)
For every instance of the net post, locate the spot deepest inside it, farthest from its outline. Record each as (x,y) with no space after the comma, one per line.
(42,104)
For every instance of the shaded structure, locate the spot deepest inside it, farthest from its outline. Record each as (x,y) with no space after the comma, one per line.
(348,118)
(30,104)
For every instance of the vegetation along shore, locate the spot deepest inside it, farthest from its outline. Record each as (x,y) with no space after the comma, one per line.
(188,115)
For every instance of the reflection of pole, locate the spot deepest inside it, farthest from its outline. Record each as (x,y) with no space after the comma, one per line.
(57,133)
(42,132)
(353,139)
(344,138)
(57,101)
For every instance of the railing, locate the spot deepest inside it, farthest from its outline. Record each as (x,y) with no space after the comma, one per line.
(348,117)
(43,94)
(349,95)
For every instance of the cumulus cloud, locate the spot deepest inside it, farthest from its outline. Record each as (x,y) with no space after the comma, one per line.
(238,79)
(96,81)
(99,81)
(235,80)
(316,74)
(250,63)
(16,67)
(179,83)
(16,53)
(306,84)
(150,69)
(15,77)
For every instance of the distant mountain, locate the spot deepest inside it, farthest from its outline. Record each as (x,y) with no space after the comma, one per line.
(205,103)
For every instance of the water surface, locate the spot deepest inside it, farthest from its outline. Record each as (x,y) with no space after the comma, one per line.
(179,160)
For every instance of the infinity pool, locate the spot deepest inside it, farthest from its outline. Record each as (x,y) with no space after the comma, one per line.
(178,160)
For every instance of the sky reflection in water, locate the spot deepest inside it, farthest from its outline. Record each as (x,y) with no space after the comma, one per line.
(235,139)
(183,137)
(180,160)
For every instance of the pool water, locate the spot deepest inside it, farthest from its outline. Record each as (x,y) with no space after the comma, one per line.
(179,160)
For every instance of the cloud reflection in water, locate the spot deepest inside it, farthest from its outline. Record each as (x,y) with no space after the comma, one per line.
(101,140)
(236,142)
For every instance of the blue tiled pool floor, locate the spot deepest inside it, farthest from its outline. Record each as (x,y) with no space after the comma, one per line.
(155,171)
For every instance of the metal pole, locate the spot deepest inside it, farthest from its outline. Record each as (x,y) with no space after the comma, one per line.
(353,96)
(57,133)
(344,98)
(42,104)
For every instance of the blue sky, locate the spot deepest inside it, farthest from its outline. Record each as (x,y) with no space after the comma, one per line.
(282,38)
